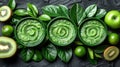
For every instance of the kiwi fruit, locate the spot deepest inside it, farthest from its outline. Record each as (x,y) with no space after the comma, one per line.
(8,47)
(111,53)
(5,13)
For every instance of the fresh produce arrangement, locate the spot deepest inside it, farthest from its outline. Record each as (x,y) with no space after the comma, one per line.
(59,32)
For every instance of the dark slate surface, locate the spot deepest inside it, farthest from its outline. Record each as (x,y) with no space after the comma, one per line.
(75,62)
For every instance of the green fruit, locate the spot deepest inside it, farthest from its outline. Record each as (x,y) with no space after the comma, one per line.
(5,13)
(7,30)
(112,19)
(80,51)
(113,38)
(111,53)
(8,47)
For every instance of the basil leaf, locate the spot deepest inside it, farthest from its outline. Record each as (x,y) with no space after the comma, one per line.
(100,49)
(20,12)
(32,10)
(12,4)
(27,54)
(54,11)
(37,56)
(101,13)
(91,10)
(65,54)
(77,13)
(49,52)
(45,17)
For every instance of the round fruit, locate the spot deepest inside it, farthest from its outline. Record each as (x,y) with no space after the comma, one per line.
(8,47)
(112,19)
(80,51)
(7,30)
(111,53)
(113,38)
(5,13)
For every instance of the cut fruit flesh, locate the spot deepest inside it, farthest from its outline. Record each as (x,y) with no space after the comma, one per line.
(8,47)
(5,13)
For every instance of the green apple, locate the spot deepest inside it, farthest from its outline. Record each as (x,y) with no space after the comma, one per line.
(112,19)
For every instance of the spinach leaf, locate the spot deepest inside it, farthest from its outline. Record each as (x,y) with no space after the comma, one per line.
(37,56)
(65,54)
(100,49)
(27,54)
(77,13)
(101,13)
(32,10)
(91,10)
(54,11)
(12,4)
(20,12)
(49,52)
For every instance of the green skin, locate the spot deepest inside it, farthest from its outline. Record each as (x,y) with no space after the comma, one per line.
(92,33)
(113,38)
(7,30)
(112,19)
(62,32)
(30,32)
(80,51)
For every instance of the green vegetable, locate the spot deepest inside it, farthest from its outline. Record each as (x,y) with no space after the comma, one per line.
(30,32)
(100,13)
(92,32)
(8,47)
(45,17)
(32,10)
(27,54)
(61,31)
(65,54)
(77,13)
(49,52)
(12,4)
(21,12)
(91,10)
(55,11)
(37,56)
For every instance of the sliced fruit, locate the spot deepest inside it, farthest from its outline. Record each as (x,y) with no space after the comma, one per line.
(5,13)
(8,47)
(111,53)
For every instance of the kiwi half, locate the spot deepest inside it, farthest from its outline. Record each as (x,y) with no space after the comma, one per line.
(8,47)
(5,13)
(111,53)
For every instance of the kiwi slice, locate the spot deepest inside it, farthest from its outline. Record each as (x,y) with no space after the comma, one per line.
(8,47)
(111,53)
(5,13)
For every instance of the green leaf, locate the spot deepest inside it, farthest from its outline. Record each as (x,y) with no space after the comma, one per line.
(12,4)
(91,10)
(90,53)
(49,52)
(92,61)
(37,56)
(65,54)
(97,55)
(45,17)
(101,13)
(32,10)
(77,13)
(100,49)
(15,19)
(27,54)
(54,11)
(20,12)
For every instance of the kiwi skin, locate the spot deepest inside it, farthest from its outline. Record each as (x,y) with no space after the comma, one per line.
(12,50)
(9,13)
(109,52)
